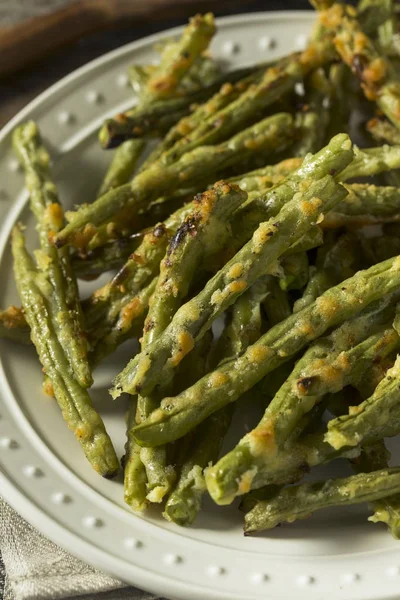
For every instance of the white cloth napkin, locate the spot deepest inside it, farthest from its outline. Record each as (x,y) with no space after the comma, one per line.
(37,569)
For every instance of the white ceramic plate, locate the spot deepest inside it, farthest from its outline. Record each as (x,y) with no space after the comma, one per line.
(43,474)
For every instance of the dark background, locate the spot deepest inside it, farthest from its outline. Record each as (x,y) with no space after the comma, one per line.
(17,90)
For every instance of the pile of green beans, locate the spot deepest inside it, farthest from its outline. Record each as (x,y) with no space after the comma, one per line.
(255,215)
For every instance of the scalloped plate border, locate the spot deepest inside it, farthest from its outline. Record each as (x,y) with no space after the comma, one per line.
(143,554)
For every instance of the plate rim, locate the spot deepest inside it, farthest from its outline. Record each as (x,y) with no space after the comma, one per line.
(27,507)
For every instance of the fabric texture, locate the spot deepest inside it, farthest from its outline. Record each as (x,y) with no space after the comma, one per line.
(36,569)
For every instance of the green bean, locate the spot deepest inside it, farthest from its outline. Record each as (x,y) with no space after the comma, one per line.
(340,107)
(378,19)
(178,415)
(146,119)
(105,258)
(370,415)
(313,117)
(334,157)
(295,271)
(244,328)
(226,94)
(139,76)
(105,306)
(276,304)
(122,165)
(176,61)
(372,161)
(383,131)
(299,501)
(56,266)
(327,366)
(184,503)
(254,259)
(203,232)
(135,477)
(357,50)
(275,82)
(271,133)
(72,398)
(367,162)
(386,510)
(336,261)
(365,204)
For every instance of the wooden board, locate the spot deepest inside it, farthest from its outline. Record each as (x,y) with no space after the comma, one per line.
(27,42)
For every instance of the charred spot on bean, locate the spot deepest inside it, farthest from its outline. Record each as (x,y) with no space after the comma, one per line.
(188,227)
(111,475)
(358,65)
(115,139)
(159,230)
(121,275)
(304,384)
(149,325)
(186,54)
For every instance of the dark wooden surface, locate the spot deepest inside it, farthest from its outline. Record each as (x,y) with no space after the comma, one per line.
(17,90)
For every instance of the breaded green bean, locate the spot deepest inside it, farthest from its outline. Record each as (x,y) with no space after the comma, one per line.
(340,106)
(336,261)
(332,158)
(313,117)
(122,165)
(244,328)
(370,415)
(72,398)
(144,120)
(104,307)
(378,20)
(275,82)
(383,131)
(178,415)
(184,503)
(226,94)
(367,162)
(178,59)
(386,510)
(63,293)
(295,271)
(372,161)
(357,50)
(328,366)
(135,477)
(254,259)
(298,502)
(365,204)
(277,303)
(128,323)
(202,233)
(272,133)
